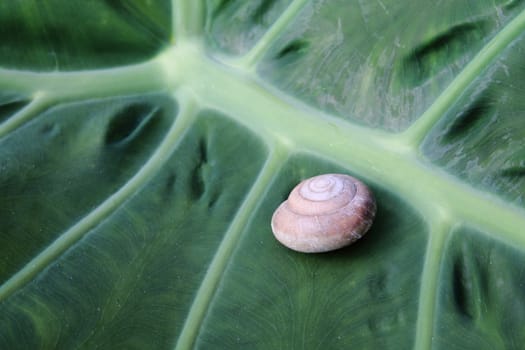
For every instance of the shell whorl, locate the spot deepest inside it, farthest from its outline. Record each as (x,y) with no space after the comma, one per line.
(321,194)
(323,213)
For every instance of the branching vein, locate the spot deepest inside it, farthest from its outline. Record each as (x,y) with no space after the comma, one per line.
(187,19)
(149,76)
(440,230)
(415,134)
(359,149)
(250,60)
(106,208)
(37,105)
(222,256)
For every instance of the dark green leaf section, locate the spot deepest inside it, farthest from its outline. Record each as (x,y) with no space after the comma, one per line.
(129,283)
(380,63)
(65,35)
(364,296)
(482,139)
(68,160)
(10,103)
(481,301)
(234,26)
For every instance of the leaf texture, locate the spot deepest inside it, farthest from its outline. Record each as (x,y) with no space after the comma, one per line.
(145,145)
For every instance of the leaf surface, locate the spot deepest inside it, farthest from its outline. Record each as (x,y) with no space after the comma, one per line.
(145,145)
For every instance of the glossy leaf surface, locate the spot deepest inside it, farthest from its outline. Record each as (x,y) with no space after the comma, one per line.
(144,146)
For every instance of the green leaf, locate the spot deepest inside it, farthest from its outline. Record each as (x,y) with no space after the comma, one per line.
(144,146)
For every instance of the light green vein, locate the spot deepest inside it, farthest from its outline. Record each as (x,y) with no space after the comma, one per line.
(415,134)
(376,158)
(149,76)
(250,60)
(222,256)
(91,220)
(187,19)
(37,105)
(439,232)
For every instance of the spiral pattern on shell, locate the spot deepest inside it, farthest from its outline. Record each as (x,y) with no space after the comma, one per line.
(324,213)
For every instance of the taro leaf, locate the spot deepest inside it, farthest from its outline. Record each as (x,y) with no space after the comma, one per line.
(145,144)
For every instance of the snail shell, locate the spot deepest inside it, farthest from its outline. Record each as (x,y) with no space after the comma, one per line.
(324,213)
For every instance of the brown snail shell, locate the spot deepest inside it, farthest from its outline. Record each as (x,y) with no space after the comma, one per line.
(324,213)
